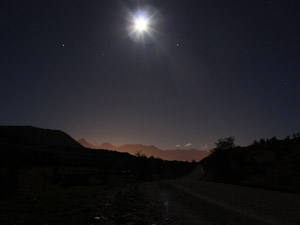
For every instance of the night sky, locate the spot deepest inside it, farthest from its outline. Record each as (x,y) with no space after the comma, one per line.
(205,69)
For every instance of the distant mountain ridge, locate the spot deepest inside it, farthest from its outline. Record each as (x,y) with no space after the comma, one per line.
(151,150)
(28,135)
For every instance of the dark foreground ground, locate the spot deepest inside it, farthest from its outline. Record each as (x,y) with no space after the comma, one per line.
(184,201)
(47,178)
(119,203)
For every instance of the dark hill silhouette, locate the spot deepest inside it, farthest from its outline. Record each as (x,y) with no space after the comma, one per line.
(53,157)
(178,154)
(270,163)
(31,146)
(28,135)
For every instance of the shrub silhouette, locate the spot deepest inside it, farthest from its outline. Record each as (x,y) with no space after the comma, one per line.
(269,163)
(9,183)
(224,144)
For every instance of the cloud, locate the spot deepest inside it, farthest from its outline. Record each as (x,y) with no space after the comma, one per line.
(205,146)
(188,145)
(178,146)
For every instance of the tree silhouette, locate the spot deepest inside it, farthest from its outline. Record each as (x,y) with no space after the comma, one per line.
(224,144)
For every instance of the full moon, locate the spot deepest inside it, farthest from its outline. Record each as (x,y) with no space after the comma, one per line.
(141,23)
(141,27)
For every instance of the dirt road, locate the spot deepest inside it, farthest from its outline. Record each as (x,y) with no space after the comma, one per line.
(188,201)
